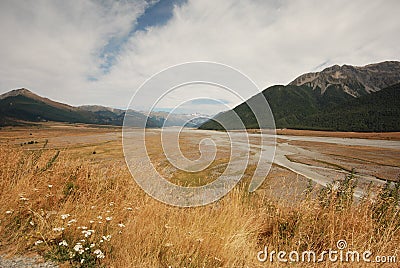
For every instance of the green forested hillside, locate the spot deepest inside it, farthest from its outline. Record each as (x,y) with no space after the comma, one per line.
(302,107)
(379,111)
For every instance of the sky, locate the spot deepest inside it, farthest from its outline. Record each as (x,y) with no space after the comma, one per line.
(101,52)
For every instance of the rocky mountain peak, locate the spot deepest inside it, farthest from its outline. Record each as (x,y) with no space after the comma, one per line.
(17,92)
(354,80)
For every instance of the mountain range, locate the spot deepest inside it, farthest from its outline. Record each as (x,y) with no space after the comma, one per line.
(339,98)
(21,107)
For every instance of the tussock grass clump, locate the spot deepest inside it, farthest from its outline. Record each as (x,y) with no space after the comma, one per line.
(90,214)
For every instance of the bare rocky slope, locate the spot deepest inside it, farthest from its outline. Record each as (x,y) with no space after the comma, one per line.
(354,80)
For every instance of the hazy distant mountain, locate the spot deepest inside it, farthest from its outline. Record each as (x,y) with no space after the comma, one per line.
(353,80)
(343,98)
(21,106)
(187,120)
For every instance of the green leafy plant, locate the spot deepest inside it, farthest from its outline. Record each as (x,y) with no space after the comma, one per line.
(386,210)
(339,193)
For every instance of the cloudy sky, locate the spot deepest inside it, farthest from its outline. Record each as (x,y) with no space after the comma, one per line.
(100,52)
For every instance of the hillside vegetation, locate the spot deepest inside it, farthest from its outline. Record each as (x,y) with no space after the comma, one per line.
(302,107)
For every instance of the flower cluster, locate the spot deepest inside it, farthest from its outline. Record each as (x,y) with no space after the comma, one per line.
(85,250)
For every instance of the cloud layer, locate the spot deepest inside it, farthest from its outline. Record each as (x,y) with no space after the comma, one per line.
(57,48)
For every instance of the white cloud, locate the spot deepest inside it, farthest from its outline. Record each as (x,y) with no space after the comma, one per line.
(53,48)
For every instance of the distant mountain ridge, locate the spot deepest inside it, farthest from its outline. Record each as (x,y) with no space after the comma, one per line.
(21,106)
(172,119)
(99,108)
(339,98)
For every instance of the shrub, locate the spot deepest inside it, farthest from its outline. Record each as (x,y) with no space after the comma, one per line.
(338,194)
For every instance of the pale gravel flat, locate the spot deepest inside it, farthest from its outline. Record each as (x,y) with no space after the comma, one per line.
(25,262)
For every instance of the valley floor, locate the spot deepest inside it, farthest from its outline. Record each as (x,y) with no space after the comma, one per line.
(54,169)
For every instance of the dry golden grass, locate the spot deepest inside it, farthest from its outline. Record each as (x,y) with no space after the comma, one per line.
(147,233)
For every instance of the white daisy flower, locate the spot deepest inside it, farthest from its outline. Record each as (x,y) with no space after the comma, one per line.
(107,237)
(38,242)
(63,243)
(71,221)
(99,254)
(64,216)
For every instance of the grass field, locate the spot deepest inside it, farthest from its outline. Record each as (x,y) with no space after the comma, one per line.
(67,195)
